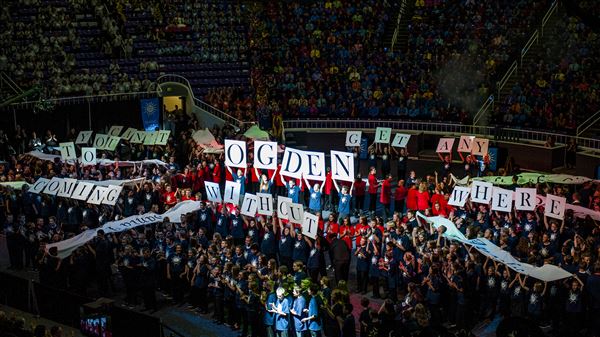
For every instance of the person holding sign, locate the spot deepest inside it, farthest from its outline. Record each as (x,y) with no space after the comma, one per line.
(402,162)
(293,191)
(345,200)
(314,203)
(240,178)
(265,183)
(373,185)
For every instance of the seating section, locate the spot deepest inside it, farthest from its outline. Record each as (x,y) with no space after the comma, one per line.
(561,88)
(74,47)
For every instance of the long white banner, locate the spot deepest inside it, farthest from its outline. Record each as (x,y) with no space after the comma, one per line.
(547,272)
(66,247)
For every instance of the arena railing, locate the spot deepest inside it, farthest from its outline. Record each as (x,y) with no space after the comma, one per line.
(489,103)
(436,128)
(89,98)
(533,39)
(548,15)
(200,103)
(588,123)
(397,29)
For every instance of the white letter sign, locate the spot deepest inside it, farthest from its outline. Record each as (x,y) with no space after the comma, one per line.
(481,192)
(265,155)
(555,206)
(250,205)
(67,151)
(83,137)
(480,146)
(314,165)
(265,203)
(282,211)
(353,138)
(465,144)
(401,140)
(310,225)
(383,135)
(445,145)
(88,156)
(459,196)
(291,165)
(502,200)
(213,191)
(342,165)
(235,153)
(525,199)
(232,192)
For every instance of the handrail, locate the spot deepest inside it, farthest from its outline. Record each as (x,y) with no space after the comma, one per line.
(513,67)
(484,108)
(86,98)
(443,128)
(593,119)
(397,29)
(14,86)
(549,14)
(533,39)
(203,105)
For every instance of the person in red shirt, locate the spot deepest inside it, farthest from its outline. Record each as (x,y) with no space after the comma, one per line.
(332,228)
(437,209)
(411,197)
(359,193)
(216,172)
(188,196)
(170,197)
(373,185)
(346,232)
(384,197)
(422,197)
(400,197)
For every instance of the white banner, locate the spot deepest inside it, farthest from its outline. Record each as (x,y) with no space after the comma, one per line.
(66,247)
(546,273)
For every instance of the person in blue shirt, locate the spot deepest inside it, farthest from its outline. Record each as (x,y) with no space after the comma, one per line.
(345,200)
(298,311)
(222,224)
(240,178)
(293,190)
(314,203)
(269,319)
(313,318)
(281,309)
(237,228)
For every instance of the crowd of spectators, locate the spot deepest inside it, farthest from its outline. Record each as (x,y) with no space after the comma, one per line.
(328,59)
(560,89)
(47,46)
(233,266)
(12,326)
